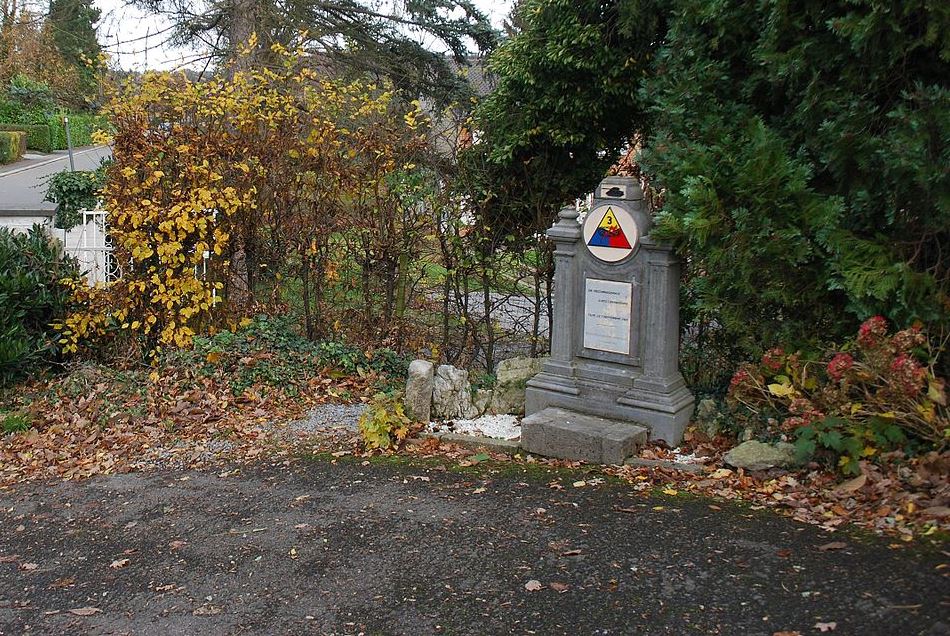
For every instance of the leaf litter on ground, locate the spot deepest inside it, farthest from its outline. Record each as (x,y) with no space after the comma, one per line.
(96,420)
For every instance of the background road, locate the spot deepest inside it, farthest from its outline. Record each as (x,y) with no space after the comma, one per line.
(23,184)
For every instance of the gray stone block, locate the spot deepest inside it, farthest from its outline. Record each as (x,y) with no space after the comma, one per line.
(569,435)
(419,385)
(452,394)
(755,455)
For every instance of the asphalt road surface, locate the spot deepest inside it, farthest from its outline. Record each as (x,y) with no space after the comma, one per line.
(23,184)
(348,548)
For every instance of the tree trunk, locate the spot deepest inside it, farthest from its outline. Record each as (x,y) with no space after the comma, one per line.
(305,293)
(486,310)
(402,281)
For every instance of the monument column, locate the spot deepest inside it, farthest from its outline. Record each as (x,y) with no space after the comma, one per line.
(557,373)
(661,359)
(564,234)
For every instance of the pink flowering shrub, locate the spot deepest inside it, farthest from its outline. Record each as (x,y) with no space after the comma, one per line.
(875,393)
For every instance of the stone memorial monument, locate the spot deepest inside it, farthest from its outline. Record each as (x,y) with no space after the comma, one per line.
(613,376)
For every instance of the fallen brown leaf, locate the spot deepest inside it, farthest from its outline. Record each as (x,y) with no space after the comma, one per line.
(834,545)
(62,583)
(852,485)
(85,611)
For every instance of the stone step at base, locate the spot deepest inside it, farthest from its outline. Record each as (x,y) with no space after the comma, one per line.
(557,432)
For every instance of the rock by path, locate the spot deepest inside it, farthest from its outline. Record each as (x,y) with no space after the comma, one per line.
(351,547)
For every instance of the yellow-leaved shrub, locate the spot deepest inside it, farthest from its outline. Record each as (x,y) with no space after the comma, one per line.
(203,169)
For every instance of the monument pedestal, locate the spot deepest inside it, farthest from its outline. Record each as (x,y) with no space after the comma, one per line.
(615,339)
(569,435)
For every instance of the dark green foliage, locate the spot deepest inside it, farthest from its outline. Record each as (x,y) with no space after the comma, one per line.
(25,101)
(75,191)
(9,146)
(30,93)
(566,100)
(31,297)
(73,24)
(743,219)
(37,135)
(815,171)
(801,148)
(845,443)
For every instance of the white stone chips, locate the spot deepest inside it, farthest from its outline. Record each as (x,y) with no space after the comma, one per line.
(505,427)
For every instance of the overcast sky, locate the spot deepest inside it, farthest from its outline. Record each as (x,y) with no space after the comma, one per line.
(134,40)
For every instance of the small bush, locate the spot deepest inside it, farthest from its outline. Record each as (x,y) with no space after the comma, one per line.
(74,192)
(37,135)
(9,146)
(32,296)
(385,423)
(875,394)
(262,351)
(351,359)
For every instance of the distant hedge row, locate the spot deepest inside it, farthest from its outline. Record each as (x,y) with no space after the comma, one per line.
(38,136)
(50,136)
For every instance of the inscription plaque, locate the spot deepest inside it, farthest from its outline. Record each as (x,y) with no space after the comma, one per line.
(608,308)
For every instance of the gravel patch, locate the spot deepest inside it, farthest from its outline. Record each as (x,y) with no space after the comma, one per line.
(329,418)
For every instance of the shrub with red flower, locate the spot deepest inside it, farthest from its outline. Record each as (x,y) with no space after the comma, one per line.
(908,374)
(740,379)
(872,331)
(839,365)
(909,339)
(865,390)
(774,359)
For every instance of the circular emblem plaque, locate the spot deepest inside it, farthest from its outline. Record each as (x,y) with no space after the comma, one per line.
(610,233)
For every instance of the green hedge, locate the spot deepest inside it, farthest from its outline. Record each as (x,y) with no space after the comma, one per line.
(38,136)
(48,132)
(81,128)
(10,146)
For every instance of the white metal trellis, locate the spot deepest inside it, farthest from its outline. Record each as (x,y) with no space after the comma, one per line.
(91,245)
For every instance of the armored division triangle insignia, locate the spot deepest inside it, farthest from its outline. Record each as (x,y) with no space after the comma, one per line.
(609,233)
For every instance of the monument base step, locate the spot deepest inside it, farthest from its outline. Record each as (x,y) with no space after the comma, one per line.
(557,432)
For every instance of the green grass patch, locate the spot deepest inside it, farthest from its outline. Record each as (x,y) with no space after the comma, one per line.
(14,423)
